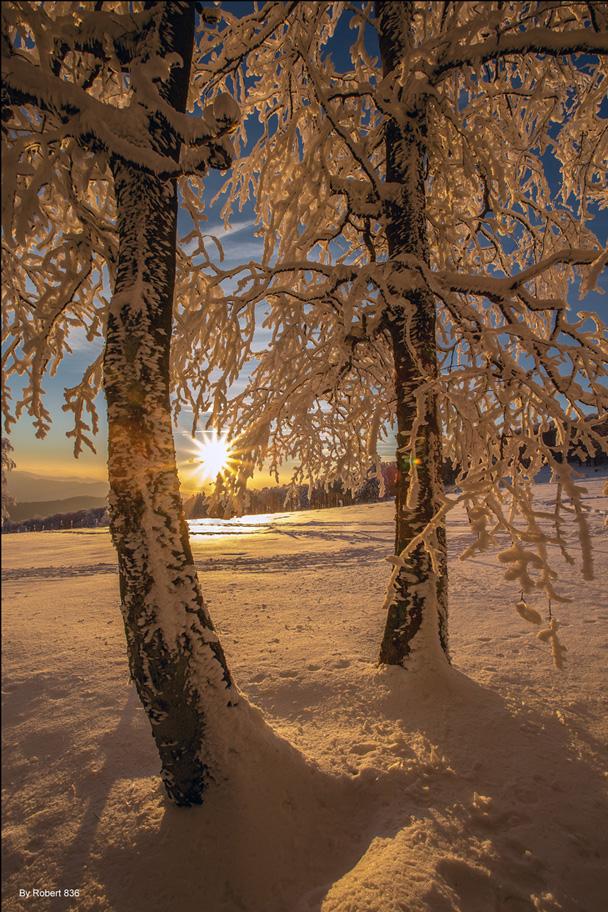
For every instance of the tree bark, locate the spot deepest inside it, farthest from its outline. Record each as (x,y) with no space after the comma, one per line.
(417,596)
(175,657)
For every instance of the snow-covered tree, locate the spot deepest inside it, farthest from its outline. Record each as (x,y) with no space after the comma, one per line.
(415,269)
(304,499)
(425,201)
(96,135)
(7,464)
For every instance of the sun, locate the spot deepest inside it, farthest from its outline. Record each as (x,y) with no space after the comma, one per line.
(215,456)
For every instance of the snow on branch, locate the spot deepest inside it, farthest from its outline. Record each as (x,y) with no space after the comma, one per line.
(123,132)
(530,41)
(497,288)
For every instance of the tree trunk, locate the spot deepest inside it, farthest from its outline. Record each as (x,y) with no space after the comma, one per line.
(175,657)
(417,597)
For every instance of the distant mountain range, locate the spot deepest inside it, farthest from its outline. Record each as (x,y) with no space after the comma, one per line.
(43,495)
(30,486)
(40,495)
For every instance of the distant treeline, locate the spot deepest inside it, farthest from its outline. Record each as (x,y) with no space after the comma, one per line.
(22,510)
(288,498)
(280,498)
(80,519)
(578,455)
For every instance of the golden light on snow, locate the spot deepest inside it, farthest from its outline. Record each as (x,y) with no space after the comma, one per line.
(214,456)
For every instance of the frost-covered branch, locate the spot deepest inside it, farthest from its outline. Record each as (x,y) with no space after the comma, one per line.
(531,41)
(492,287)
(103,128)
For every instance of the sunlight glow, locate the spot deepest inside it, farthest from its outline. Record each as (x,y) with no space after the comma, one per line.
(215,456)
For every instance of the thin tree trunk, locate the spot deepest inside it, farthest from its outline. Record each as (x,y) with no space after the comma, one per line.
(417,596)
(175,657)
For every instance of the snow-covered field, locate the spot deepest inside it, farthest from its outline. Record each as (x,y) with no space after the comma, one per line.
(480,788)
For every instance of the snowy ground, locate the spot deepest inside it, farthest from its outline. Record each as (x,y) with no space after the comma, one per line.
(478,789)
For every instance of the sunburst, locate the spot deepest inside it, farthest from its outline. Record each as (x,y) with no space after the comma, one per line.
(215,456)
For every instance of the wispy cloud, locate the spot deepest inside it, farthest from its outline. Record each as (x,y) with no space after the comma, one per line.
(219,231)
